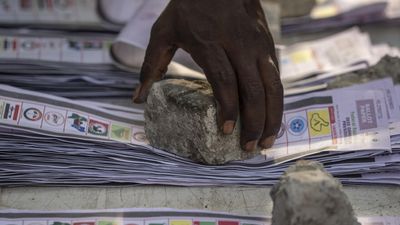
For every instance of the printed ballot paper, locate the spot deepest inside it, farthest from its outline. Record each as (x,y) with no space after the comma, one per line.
(76,15)
(341,13)
(349,130)
(47,140)
(307,66)
(94,50)
(74,66)
(331,121)
(339,51)
(149,216)
(62,117)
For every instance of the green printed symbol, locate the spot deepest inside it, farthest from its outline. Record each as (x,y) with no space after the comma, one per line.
(60,223)
(203,223)
(107,222)
(120,133)
(98,128)
(78,122)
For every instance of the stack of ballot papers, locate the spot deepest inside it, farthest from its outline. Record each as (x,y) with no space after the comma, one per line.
(71,48)
(48,140)
(148,216)
(87,65)
(101,52)
(308,65)
(342,13)
(51,134)
(63,64)
(100,15)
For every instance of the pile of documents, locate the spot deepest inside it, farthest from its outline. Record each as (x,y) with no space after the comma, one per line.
(102,15)
(74,66)
(341,13)
(148,216)
(72,48)
(354,131)
(77,52)
(52,135)
(307,66)
(70,54)
(84,62)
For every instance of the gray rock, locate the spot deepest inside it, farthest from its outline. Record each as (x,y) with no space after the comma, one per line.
(181,118)
(297,8)
(387,67)
(308,195)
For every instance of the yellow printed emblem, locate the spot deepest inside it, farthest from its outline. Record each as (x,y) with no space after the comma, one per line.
(180,222)
(302,56)
(319,122)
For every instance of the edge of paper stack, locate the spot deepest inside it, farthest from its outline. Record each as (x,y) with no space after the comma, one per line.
(47,140)
(74,140)
(153,216)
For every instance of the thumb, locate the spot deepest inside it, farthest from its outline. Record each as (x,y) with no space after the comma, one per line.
(159,54)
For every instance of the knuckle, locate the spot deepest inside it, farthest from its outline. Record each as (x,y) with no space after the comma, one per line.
(155,28)
(218,68)
(275,87)
(146,68)
(222,77)
(253,92)
(158,29)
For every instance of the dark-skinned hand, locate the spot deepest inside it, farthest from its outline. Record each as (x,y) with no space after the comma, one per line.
(230,40)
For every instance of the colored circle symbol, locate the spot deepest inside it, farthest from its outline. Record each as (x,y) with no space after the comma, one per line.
(54,118)
(297,125)
(140,137)
(32,114)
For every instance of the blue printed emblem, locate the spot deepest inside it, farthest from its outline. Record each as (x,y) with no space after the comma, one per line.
(297,125)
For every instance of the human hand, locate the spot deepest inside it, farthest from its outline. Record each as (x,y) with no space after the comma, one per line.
(230,40)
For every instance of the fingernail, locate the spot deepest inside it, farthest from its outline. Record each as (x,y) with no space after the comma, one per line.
(228,127)
(268,142)
(250,146)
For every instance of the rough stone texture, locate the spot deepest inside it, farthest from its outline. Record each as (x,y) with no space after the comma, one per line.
(387,67)
(308,195)
(181,118)
(290,8)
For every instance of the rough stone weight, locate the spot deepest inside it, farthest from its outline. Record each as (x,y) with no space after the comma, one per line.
(307,195)
(181,118)
(387,67)
(290,8)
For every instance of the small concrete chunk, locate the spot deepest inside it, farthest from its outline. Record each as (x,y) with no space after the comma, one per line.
(181,118)
(308,195)
(298,8)
(387,67)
